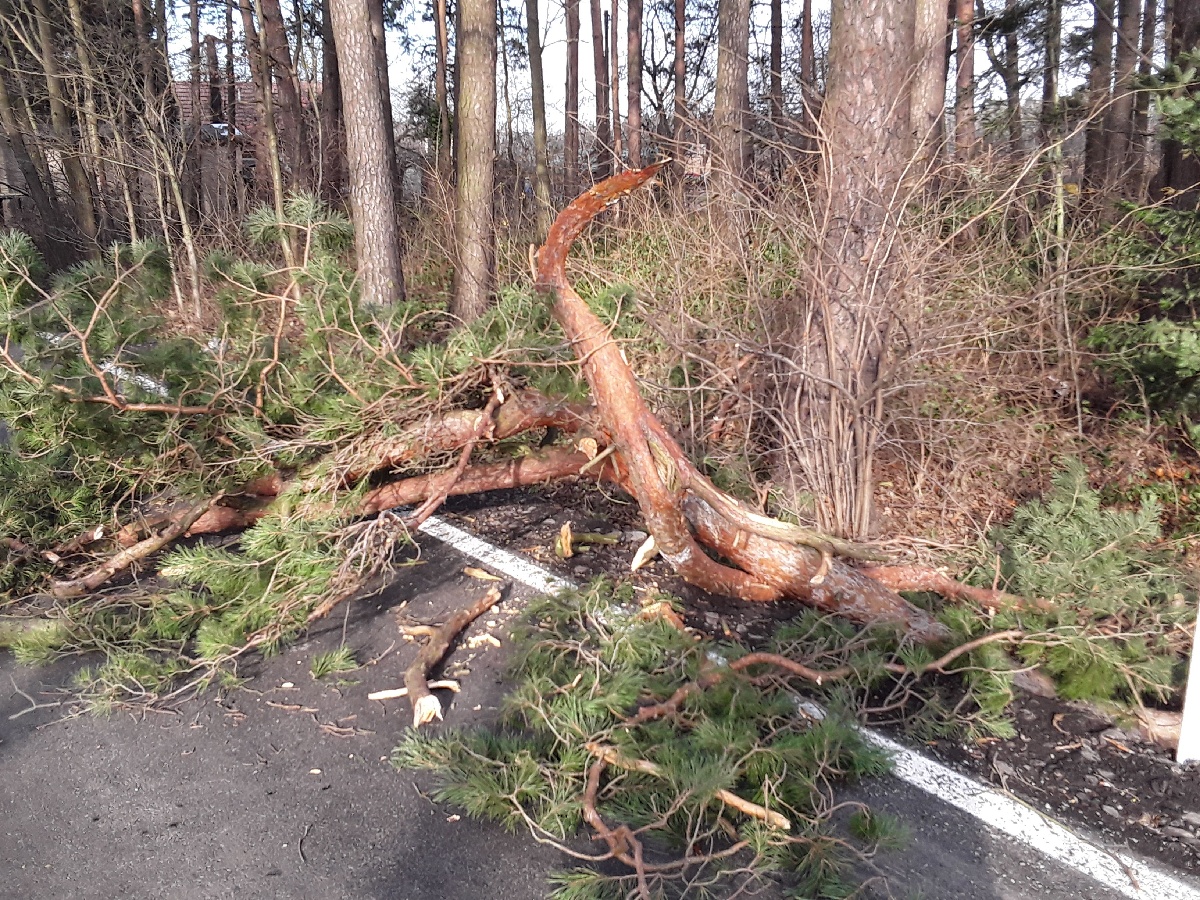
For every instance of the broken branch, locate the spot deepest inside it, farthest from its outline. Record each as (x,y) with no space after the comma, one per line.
(427,707)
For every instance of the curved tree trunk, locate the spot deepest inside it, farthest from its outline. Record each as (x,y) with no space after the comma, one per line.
(682,509)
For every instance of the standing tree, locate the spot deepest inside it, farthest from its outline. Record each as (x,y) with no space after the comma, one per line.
(679,70)
(1119,118)
(839,329)
(368,135)
(733,46)
(602,155)
(964,83)
(571,126)
(474,230)
(1095,162)
(541,152)
(633,75)
(929,80)
(442,39)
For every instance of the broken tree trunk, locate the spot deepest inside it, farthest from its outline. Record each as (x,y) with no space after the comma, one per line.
(686,514)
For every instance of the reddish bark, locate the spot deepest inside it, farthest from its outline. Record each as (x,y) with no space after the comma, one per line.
(676,500)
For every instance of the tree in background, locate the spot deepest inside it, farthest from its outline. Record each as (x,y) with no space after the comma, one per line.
(368,137)
(474,227)
(729,107)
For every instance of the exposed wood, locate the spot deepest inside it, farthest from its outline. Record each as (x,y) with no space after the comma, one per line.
(77,587)
(427,707)
(652,467)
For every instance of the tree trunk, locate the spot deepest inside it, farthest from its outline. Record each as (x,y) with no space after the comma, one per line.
(679,108)
(372,190)
(733,46)
(383,78)
(1050,125)
(333,145)
(681,508)
(615,88)
(929,82)
(509,153)
(964,81)
(776,65)
(1012,76)
(1137,157)
(441,94)
(541,151)
(290,110)
(474,234)
(839,335)
(1096,154)
(237,190)
(1119,120)
(808,73)
(78,179)
(1179,172)
(571,126)
(602,155)
(633,77)
(265,162)
(57,253)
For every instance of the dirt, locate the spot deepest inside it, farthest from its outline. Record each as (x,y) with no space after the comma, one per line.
(1065,759)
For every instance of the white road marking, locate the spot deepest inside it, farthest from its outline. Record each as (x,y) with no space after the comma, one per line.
(515,567)
(1115,870)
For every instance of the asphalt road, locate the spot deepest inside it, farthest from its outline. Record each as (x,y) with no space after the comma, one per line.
(275,791)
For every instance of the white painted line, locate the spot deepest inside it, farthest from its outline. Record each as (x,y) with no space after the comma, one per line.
(1117,871)
(515,567)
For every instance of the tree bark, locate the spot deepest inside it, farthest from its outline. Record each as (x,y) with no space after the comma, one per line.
(60,122)
(382,76)
(440,91)
(1179,171)
(541,151)
(929,82)
(615,88)
(1119,119)
(839,336)
(372,197)
(1096,155)
(729,106)
(1137,158)
(775,92)
(474,229)
(679,106)
(964,81)
(633,77)
(678,503)
(333,144)
(602,154)
(290,109)
(571,126)
(1050,125)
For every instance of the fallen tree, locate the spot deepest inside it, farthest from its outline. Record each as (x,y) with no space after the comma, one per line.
(711,539)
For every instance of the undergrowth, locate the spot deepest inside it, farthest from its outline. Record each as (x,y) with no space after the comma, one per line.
(585,660)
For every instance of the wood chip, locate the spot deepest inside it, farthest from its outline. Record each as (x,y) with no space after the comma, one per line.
(481,574)
(394,693)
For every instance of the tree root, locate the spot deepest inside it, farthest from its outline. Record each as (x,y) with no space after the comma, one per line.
(923,578)
(427,707)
